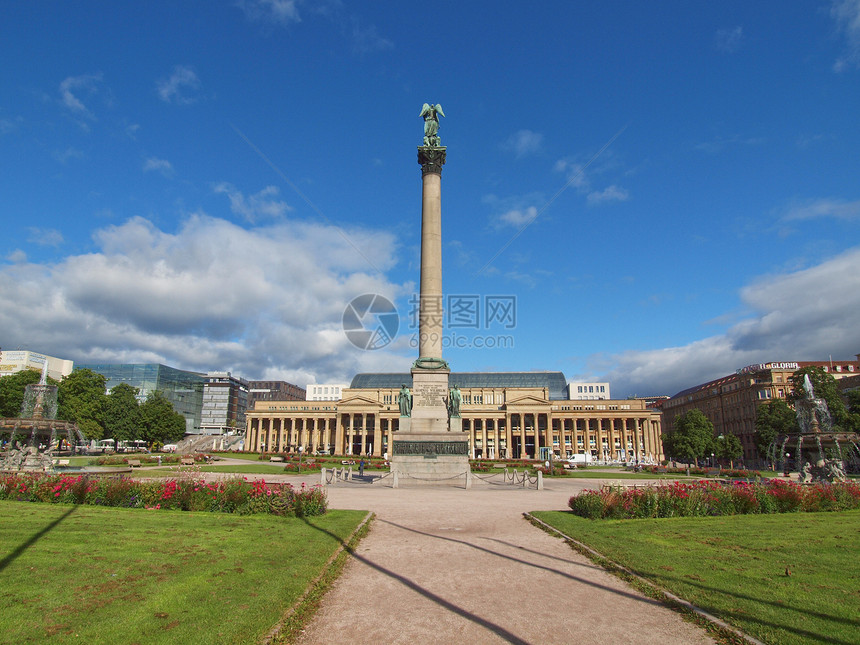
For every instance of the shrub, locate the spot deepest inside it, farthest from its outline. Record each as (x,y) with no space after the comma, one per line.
(188,493)
(704,498)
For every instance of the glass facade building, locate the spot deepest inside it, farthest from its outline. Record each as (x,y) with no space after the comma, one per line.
(183,389)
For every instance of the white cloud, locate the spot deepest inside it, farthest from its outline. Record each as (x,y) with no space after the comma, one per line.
(18,256)
(10,125)
(846,13)
(280,12)
(73,86)
(44,236)
(261,302)
(575,173)
(254,207)
(721,143)
(159,165)
(729,40)
(176,88)
(518,217)
(366,39)
(804,315)
(838,208)
(611,193)
(523,143)
(63,156)
(513,211)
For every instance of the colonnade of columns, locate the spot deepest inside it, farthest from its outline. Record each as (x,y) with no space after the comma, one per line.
(516,435)
(536,435)
(346,434)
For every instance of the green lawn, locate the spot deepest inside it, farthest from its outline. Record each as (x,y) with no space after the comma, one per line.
(250,456)
(735,567)
(84,574)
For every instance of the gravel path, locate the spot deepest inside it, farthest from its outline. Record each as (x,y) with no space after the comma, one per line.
(446,565)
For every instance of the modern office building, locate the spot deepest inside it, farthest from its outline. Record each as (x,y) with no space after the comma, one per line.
(183,389)
(731,402)
(274,391)
(225,399)
(507,415)
(22,359)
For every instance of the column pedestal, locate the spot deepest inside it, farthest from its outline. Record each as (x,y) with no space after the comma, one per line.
(427,450)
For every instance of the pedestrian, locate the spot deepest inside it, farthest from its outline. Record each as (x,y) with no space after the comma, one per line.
(361,468)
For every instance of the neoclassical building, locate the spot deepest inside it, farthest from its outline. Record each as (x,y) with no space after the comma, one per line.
(513,415)
(731,402)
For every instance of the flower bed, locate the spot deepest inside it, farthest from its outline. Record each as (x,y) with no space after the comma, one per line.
(705,498)
(186,494)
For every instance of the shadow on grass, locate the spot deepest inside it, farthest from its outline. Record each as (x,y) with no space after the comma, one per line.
(5,562)
(737,617)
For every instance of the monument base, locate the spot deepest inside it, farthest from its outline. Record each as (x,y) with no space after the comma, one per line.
(431,459)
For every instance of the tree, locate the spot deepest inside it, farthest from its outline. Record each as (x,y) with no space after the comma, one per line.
(160,422)
(692,437)
(728,446)
(824,387)
(122,417)
(772,419)
(853,397)
(82,399)
(12,391)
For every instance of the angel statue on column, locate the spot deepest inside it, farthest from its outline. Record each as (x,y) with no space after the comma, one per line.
(431,114)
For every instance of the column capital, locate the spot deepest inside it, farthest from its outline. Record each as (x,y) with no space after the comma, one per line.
(431,159)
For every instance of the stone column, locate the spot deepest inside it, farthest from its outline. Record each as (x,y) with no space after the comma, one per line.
(523,452)
(484,451)
(338,435)
(430,302)
(508,453)
(363,433)
(249,434)
(549,435)
(377,436)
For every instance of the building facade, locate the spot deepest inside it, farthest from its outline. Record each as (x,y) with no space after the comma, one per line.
(225,400)
(588,391)
(731,402)
(274,391)
(183,389)
(325,391)
(22,359)
(514,415)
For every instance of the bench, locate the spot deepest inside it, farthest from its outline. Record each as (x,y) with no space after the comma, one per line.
(187,461)
(134,463)
(606,488)
(276,458)
(347,462)
(61,462)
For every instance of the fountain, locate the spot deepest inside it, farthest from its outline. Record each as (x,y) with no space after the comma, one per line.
(826,453)
(32,440)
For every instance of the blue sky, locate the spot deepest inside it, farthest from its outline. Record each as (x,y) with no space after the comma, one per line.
(669,191)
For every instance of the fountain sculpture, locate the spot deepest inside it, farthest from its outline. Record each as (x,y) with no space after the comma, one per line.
(31,441)
(816,452)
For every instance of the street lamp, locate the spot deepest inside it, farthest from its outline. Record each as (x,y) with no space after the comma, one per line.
(301,449)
